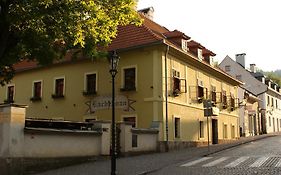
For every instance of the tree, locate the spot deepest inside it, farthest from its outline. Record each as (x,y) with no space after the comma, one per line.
(274,76)
(44,30)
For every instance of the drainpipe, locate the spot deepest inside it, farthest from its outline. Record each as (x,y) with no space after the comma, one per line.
(166,101)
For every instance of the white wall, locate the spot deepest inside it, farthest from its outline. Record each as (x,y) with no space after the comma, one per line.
(61,145)
(146,142)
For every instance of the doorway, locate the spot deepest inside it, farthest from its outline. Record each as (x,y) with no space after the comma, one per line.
(215,131)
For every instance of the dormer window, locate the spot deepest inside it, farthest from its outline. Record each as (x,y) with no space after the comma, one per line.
(200,54)
(184,45)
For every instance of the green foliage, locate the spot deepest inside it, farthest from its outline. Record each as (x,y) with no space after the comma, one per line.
(46,29)
(274,76)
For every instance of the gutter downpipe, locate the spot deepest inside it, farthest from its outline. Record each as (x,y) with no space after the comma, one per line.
(166,102)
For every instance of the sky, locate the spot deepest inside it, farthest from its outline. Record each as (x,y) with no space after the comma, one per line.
(227,27)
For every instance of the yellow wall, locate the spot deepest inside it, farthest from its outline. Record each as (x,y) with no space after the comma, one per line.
(149,94)
(189,110)
(72,106)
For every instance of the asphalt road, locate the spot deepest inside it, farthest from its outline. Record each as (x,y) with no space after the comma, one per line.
(262,157)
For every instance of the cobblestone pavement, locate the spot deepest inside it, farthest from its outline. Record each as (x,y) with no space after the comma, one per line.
(171,162)
(262,157)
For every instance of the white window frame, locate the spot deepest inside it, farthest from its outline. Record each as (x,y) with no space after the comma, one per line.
(85,80)
(54,84)
(41,90)
(123,75)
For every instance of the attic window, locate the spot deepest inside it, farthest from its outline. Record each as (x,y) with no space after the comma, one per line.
(200,54)
(184,45)
(227,68)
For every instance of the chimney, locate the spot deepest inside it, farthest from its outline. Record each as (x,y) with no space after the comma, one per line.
(240,59)
(253,68)
(148,12)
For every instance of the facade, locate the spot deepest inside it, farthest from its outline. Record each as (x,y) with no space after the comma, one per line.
(270,103)
(254,119)
(163,79)
(251,122)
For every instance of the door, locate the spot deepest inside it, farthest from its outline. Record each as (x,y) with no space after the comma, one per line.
(215,131)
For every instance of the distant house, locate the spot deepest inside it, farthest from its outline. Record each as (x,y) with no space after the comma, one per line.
(163,79)
(271,102)
(253,110)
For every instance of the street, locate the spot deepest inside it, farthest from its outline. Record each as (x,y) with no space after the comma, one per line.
(255,157)
(260,157)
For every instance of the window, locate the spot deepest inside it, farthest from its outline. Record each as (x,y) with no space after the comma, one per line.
(130,120)
(179,85)
(177,127)
(268,100)
(10,94)
(225,131)
(214,94)
(276,104)
(224,99)
(269,121)
(37,91)
(239,77)
(59,88)
(90,84)
(232,131)
(176,82)
(232,102)
(227,68)
(129,79)
(200,92)
(272,102)
(201,129)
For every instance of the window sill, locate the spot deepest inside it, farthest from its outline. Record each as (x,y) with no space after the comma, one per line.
(35,99)
(8,101)
(176,92)
(128,89)
(86,93)
(56,96)
(200,99)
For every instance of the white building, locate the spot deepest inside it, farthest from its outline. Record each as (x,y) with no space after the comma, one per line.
(256,116)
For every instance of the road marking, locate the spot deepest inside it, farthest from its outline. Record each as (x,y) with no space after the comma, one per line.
(215,162)
(259,162)
(196,161)
(237,162)
(278,163)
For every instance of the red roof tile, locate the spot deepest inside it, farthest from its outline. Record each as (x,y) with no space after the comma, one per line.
(132,36)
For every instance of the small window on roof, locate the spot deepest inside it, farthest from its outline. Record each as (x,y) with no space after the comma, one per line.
(227,68)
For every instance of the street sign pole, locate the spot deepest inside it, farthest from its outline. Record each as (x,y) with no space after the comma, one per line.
(208,133)
(207,113)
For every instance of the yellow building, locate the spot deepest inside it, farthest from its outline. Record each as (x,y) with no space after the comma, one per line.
(155,63)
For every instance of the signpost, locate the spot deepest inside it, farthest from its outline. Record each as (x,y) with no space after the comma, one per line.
(208,112)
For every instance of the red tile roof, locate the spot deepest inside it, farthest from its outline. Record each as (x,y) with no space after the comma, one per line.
(208,52)
(131,36)
(194,44)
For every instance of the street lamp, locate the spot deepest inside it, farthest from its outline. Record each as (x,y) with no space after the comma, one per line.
(114,59)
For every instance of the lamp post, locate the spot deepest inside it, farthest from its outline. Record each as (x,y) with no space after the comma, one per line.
(114,59)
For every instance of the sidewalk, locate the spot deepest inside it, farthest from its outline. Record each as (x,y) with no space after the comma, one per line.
(141,165)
